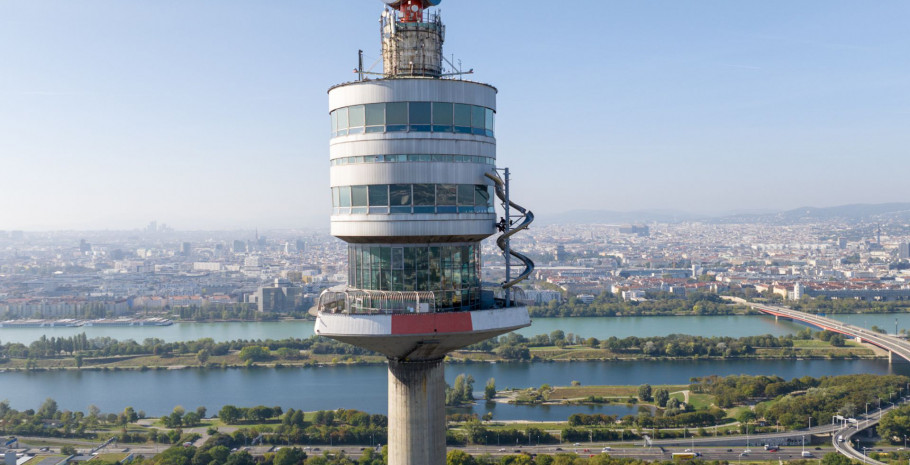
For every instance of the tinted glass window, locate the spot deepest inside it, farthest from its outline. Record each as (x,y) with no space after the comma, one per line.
(478,117)
(465,194)
(342,118)
(419,113)
(396,113)
(442,113)
(358,196)
(400,194)
(424,194)
(397,258)
(345,196)
(355,116)
(481,195)
(375,114)
(379,195)
(462,115)
(445,194)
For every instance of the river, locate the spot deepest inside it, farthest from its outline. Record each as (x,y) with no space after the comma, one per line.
(599,327)
(364,387)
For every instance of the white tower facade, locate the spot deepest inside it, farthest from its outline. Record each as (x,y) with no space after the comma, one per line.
(414,182)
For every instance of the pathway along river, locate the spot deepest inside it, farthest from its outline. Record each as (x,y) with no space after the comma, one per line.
(364,387)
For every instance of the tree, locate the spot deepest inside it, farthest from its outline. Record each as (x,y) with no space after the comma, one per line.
(203,356)
(68,450)
(191,419)
(289,456)
(837,340)
(644,392)
(489,391)
(254,353)
(458,457)
(220,453)
(746,416)
(240,458)
(48,409)
(260,413)
(833,458)
(130,415)
(895,424)
(229,414)
(78,359)
(661,396)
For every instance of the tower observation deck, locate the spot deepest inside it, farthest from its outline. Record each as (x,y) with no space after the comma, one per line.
(414,182)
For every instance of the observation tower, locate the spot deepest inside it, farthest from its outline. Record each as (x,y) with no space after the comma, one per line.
(414,182)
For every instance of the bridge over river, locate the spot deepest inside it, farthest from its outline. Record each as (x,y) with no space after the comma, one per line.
(894,345)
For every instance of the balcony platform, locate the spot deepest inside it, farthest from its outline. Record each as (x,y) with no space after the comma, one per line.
(420,336)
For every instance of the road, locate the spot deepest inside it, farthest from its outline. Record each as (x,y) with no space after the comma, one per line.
(894,345)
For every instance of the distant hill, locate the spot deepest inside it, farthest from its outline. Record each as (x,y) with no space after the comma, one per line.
(855,212)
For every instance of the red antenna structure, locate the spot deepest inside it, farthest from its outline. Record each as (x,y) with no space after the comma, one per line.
(411,10)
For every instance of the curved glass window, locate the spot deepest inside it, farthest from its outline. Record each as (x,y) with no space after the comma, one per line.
(374,117)
(451,272)
(462,119)
(413,198)
(413,158)
(414,117)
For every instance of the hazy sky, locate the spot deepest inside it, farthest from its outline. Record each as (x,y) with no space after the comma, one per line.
(213,113)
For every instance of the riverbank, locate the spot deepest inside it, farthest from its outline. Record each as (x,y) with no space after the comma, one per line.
(284,356)
(808,350)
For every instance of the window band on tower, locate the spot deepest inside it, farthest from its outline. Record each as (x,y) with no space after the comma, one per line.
(442,117)
(412,198)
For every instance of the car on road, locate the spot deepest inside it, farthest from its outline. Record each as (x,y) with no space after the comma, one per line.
(606,449)
(806,454)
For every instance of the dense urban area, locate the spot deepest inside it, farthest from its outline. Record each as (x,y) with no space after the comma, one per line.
(158,276)
(248,275)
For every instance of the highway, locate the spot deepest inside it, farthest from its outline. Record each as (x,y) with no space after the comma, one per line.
(845,447)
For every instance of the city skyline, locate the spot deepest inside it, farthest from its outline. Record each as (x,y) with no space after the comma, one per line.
(212,114)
